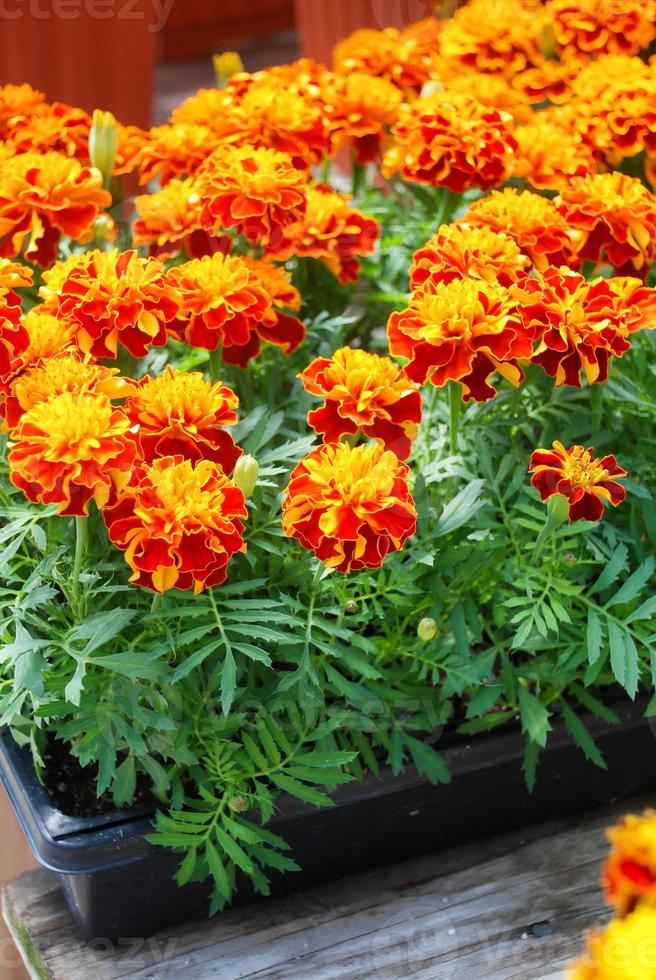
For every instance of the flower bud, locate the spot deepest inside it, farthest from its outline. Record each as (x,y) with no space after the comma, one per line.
(557,509)
(238,804)
(226,64)
(103,142)
(350,606)
(246,474)
(427,630)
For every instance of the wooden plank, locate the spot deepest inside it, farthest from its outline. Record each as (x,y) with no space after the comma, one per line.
(15,858)
(506,909)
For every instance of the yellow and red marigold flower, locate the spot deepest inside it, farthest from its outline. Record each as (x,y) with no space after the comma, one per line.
(494,91)
(463,331)
(45,195)
(581,325)
(222,301)
(17,100)
(169,220)
(14,338)
(637,302)
(529,219)
(174,151)
(279,325)
(255,190)
(363,109)
(624,950)
(549,155)
(181,414)
(579,477)
(449,139)
(405,59)
(332,231)
(461,252)
(614,218)
(57,127)
(350,506)
(113,298)
(365,393)
(549,81)
(630,871)
(70,449)
(501,39)
(593,27)
(179,524)
(67,372)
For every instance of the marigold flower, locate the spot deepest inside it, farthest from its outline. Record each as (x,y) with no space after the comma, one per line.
(66,372)
(630,871)
(494,91)
(174,151)
(458,251)
(577,475)
(350,506)
(362,110)
(463,331)
(181,414)
(45,195)
(407,60)
(14,338)
(179,524)
(213,108)
(504,38)
(48,337)
(169,220)
(550,155)
(580,324)
(255,190)
(113,298)
(593,27)
(363,392)
(278,326)
(449,139)
(529,219)
(17,101)
(131,140)
(624,950)
(332,231)
(549,81)
(615,220)
(57,127)
(70,449)
(637,302)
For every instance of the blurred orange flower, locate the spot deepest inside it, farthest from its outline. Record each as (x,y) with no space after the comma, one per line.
(549,155)
(529,219)
(350,506)
(409,60)
(365,393)
(256,191)
(332,231)
(181,414)
(464,331)
(179,524)
(575,474)
(624,950)
(449,139)
(69,449)
(45,195)
(17,100)
(594,27)
(278,326)
(55,126)
(169,219)
(459,251)
(113,298)
(581,325)
(630,871)
(501,38)
(363,109)
(14,338)
(174,151)
(637,302)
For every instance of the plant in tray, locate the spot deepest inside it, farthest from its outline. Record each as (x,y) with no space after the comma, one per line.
(267,516)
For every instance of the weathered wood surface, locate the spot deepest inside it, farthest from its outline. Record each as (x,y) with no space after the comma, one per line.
(513,908)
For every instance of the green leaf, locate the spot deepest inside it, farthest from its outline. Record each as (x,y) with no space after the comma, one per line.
(460,509)
(234,851)
(582,736)
(99,629)
(534,716)
(125,783)
(634,584)
(612,569)
(300,790)
(530,763)
(428,762)
(186,870)
(594,636)
(228,682)
(217,870)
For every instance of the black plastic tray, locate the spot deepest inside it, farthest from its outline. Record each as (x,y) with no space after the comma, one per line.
(118,885)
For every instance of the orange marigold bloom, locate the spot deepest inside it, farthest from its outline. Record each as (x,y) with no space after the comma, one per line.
(169,219)
(14,338)
(48,337)
(581,325)
(222,301)
(549,81)
(624,950)
(494,91)
(530,220)
(255,190)
(181,414)
(615,220)
(17,100)
(408,61)
(174,151)
(66,372)
(113,298)
(504,38)
(45,195)
(594,27)
(362,110)
(577,475)
(550,155)
(332,231)
(637,301)
(363,392)
(463,331)
(131,140)
(449,139)
(350,506)
(630,871)
(179,524)
(57,127)
(70,449)
(458,251)
(211,107)
(278,326)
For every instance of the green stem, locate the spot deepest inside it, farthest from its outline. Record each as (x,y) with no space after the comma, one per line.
(325,171)
(81,535)
(557,512)
(215,364)
(359,175)
(455,410)
(126,363)
(596,407)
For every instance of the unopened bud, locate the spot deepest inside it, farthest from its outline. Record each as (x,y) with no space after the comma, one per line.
(427,630)
(103,143)
(350,606)
(238,804)
(226,64)
(245,475)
